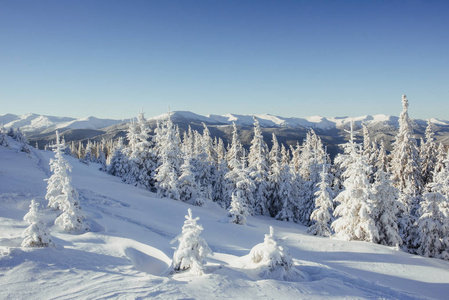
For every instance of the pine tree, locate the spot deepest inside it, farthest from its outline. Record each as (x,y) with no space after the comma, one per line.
(168,172)
(37,234)
(189,191)
(273,257)
(385,209)
(235,152)
(192,249)
(241,188)
(406,175)
(61,195)
(285,201)
(430,224)
(354,209)
(117,160)
(312,158)
(427,153)
(238,210)
(405,168)
(3,140)
(322,214)
(258,167)
(88,155)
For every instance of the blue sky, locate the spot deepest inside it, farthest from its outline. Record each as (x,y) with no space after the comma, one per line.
(289,58)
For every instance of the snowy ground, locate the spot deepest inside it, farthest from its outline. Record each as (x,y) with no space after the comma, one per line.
(128,252)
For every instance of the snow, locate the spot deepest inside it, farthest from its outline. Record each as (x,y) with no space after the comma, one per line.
(34,122)
(127,253)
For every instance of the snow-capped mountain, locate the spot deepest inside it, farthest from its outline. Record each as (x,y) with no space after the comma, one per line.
(271,121)
(34,122)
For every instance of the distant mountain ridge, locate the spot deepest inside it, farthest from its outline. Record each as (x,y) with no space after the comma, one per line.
(41,129)
(34,122)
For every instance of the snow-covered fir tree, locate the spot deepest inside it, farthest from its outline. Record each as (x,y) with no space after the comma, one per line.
(189,191)
(258,170)
(354,208)
(236,151)
(322,215)
(88,153)
(37,234)
(192,248)
(440,158)
(167,173)
(117,161)
(430,224)
(241,188)
(61,195)
(427,153)
(312,158)
(238,209)
(385,209)
(406,175)
(284,196)
(273,258)
(60,169)
(370,151)
(3,140)
(404,167)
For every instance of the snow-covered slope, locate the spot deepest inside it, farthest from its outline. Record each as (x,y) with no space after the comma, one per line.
(128,251)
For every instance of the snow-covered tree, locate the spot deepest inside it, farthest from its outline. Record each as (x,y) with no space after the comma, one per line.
(189,191)
(258,167)
(405,167)
(88,154)
(192,248)
(382,158)
(428,155)
(117,161)
(406,175)
(238,210)
(3,140)
(354,209)
(241,188)
(312,158)
(60,168)
(272,257)
(60,193)
(236,151)
(440,158)
(37,234)
(168,172)
(285,204)
(430,224)
(322,214)
(385,209)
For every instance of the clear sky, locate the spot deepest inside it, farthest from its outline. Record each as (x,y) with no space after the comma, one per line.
(289,58)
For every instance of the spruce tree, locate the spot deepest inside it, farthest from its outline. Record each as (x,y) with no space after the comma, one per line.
(258,170)
(385,209)
(406,175)
(322,214)
(273,258)
(167,173)
(37,234)
(354,209)
(428,155)
(192,248)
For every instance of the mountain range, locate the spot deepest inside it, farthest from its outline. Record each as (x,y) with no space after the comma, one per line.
(40,128)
